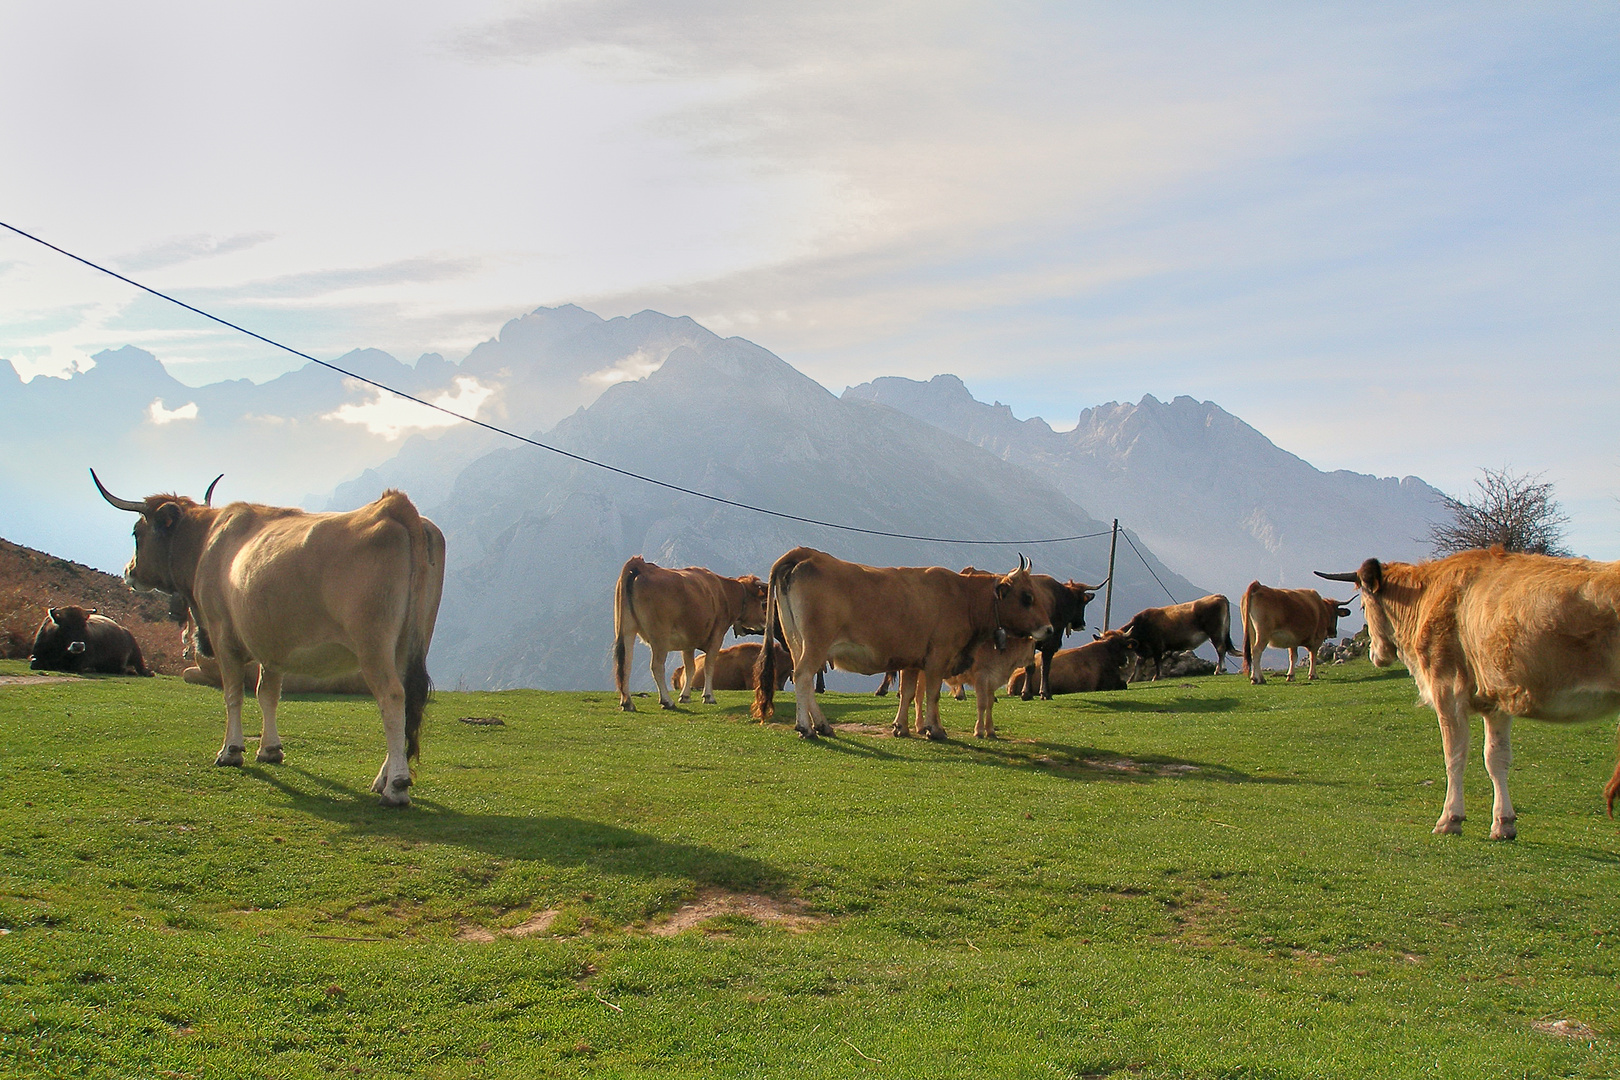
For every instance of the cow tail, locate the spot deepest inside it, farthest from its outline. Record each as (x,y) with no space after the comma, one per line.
(1226,629)
(1243,618)
(414,673)
(624,619)
(765,667)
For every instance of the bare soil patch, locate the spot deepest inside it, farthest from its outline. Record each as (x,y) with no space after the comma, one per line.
(1569,1029)
(34,680)
(792,915)
(538,923)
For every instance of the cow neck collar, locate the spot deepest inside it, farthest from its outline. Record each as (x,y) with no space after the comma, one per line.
(999,636)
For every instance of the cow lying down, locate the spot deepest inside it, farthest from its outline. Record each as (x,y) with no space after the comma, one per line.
(734,668)
(76,639)
(1085,669)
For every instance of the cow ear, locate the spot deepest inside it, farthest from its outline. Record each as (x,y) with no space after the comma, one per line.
(52,613)
(1371,575)
(1002,589)
(166,516)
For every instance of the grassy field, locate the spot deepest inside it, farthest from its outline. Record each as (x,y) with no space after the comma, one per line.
(1193,879)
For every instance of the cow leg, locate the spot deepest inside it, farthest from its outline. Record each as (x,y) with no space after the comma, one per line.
(230,680)
(623,652)
(1044,658)
(1293,658)
(660,678)
(1498,756)
(904,692)
(984,696)
(1453,715)
(931,727)
(1310,657)
(689,663)
(807,716)
(888,681)
(710,655)
(393,781)
(269,695)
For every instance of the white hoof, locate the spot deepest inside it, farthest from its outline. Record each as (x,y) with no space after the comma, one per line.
(229,756)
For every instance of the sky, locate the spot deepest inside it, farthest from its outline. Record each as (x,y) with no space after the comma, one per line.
(1385,235)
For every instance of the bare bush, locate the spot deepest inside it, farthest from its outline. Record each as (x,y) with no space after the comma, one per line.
(1517,512)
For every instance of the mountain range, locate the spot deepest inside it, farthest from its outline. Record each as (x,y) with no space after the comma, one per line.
(536,539)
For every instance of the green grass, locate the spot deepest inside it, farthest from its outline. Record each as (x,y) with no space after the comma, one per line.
(1193,879)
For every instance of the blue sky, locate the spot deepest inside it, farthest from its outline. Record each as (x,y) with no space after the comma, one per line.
(1384,235)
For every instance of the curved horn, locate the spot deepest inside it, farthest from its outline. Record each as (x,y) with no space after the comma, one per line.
(1023,563)
(208,496)
(123,504)
(1352,576)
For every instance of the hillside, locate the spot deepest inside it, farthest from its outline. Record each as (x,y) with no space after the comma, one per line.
(1217,500)
(32,582)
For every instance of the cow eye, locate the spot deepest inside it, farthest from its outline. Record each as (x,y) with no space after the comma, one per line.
(1029,599)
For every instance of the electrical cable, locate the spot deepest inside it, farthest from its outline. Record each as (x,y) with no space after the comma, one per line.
(1150,570)
(535,442)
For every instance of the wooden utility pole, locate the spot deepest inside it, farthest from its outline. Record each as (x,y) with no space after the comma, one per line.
(1108,599)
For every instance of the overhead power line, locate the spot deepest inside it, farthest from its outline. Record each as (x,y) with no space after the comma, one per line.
(1150,569)
(535,442)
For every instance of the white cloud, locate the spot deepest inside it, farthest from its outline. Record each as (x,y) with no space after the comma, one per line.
(391,416)
(159,415)
(638,365)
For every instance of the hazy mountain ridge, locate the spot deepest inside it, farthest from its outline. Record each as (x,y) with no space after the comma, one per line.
(541,538)
(1214,497)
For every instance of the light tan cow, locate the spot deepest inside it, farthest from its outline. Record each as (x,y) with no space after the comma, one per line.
(992,667)
(1501,635)
(870,619)
(1286,619)
(301,593)
(734,667)
(679,611)
(1088,668)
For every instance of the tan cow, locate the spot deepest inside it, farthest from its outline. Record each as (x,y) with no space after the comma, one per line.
(992,666)
(1501,635)
(870,619)
(734,667)
(307,594)
(1082,670)
(1286,619)
(1153,632)
(679,611)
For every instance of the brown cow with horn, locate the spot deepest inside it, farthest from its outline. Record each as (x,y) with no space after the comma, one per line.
(679,611)
(1286,619)
(1502,635)
(301,593)
(870,619)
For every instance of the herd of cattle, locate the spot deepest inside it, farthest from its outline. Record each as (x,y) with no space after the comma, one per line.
(274,594)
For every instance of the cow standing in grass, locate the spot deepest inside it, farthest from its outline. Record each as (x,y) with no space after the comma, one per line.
(1286,619)
(1153,632)
(679,611)
(1502,635)
(870,619)
(301,593)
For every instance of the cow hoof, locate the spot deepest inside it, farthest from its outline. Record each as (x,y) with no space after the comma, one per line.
(935,735)
(269,755)
(230,756)
(670,705)
(1257,681)
(708,699)
(627,706)
(900,732)
(399,800)
(1448,826)
(1504,829)
(805,733)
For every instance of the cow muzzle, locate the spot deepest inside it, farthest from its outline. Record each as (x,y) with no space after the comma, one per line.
(75,648)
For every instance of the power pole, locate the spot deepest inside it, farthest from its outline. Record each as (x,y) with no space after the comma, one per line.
(1108,600)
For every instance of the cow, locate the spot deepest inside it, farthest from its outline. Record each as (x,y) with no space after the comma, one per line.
(204,671)
(1090,667)
(734,667)
(1286,619)
(76,639)
(1069,601)
(991,665)
(870,619)
(679,611)
(305,594)
(1156,631)
(1501,635)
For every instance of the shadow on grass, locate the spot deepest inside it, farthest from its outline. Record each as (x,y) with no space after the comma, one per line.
(1091,763)
(556,841)
(1178,705)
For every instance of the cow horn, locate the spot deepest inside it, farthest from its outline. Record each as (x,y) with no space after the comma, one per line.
(1023,563)
(123,504)
(208,496)
(1352,576)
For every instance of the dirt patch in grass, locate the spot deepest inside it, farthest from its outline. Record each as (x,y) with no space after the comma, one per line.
(1569,1029)
(538,923)
(880,730)
(33,680)
(792,915)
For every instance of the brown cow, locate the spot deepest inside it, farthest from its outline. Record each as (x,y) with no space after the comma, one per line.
(77,639)
(1286,619)
(991,667)
(309,594)
(1069,600)
(679,611)
(1156,631)
(1091,667)
(204,671)
(1501,635)
(734,667)
(869,619)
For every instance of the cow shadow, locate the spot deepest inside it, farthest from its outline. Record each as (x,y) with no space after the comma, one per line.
(1175,705)
(561,841)
(1093,764)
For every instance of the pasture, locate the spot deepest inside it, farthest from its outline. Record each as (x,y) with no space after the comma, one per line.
(1198,878)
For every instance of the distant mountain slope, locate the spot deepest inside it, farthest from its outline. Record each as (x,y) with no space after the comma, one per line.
(537,541)
(1215,498)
